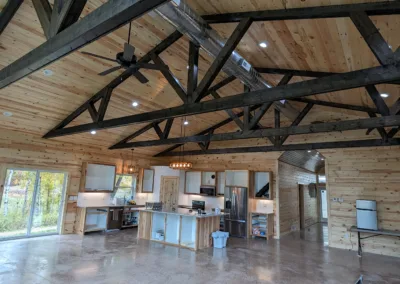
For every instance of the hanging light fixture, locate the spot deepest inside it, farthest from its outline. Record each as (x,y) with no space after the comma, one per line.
(132,168)
(181,164)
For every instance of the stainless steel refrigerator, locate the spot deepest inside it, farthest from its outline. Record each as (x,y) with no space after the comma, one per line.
(235,206)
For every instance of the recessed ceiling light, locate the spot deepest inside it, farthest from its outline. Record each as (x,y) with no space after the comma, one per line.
(93,132)
(7,113)
(309,151)
(390,46)
(263,44)
(384,95)
(135,104)
(186,122)
(187,67)
(322,159)
(47,72)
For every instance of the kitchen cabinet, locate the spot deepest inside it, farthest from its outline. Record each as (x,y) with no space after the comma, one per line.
(237,178)
(220,183)
(260,180)
(97,177)
(192,182)
(146,181)
(208,178)
(95,219)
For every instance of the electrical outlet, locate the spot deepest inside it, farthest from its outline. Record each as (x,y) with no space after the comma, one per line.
(340,199)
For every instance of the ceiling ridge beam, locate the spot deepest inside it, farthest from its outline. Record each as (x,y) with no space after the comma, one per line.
(327,84)
(385,121)
(8,13)
(291,147)
(330,11)
(105,19)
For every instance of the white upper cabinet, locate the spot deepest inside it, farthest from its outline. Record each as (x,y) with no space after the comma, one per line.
(192,182)
(99,177)
(237,178)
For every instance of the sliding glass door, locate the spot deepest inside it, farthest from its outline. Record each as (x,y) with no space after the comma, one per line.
(31,203)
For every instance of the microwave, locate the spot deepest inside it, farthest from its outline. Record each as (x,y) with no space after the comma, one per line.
(207,190)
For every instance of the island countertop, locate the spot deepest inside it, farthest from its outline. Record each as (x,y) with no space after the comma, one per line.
(184,212)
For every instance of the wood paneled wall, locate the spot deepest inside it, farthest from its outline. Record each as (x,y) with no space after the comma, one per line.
(369,173)
(22,150)
(289,178)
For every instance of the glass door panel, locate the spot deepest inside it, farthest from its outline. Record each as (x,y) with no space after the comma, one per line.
(47,203)
(16,203)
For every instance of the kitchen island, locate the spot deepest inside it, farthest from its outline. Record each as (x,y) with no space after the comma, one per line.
(178,228)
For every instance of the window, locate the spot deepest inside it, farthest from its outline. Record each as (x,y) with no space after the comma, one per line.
(125,186)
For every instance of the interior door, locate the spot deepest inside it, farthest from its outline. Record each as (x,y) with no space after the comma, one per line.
(169,192)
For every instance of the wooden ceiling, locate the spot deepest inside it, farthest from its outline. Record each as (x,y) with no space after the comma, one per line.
(38,103)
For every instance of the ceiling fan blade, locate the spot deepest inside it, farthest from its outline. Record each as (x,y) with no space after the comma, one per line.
(152,66)
(98,56)
(110,70)
(142,79)
(129,52)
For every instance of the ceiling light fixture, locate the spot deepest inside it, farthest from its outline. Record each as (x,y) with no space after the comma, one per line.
(384,95)
(322,159)
(7,113)
(186,122)
(135,104)
(133,169)
(263,44)
(47,72)
(93,132)
(181,164)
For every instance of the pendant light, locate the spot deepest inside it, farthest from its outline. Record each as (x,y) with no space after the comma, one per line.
(132,168)
(181,164)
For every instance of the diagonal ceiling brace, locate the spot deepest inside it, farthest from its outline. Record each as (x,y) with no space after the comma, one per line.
(172,80)
(8,13)
(297,121)
(222,57)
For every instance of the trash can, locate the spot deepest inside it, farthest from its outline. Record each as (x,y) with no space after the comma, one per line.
(220,238)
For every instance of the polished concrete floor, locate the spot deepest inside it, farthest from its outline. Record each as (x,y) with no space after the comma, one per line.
(299,258)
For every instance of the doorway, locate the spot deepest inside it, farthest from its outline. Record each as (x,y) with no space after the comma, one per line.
(169,192)
(31,203)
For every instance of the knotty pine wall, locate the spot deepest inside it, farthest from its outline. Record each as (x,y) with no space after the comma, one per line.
(22,150)
(289,178)
(364,173)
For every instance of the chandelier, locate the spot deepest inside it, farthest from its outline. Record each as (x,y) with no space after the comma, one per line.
(181,164)
(133,169)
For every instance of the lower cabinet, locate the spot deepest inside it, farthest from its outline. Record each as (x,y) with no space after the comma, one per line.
(177,229)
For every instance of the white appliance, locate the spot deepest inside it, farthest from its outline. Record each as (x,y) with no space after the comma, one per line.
(366,215)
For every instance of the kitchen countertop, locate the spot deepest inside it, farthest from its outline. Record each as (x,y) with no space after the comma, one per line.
(109,206)
(184,212)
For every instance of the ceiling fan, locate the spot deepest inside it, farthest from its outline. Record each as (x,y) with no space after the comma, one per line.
(128,60)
